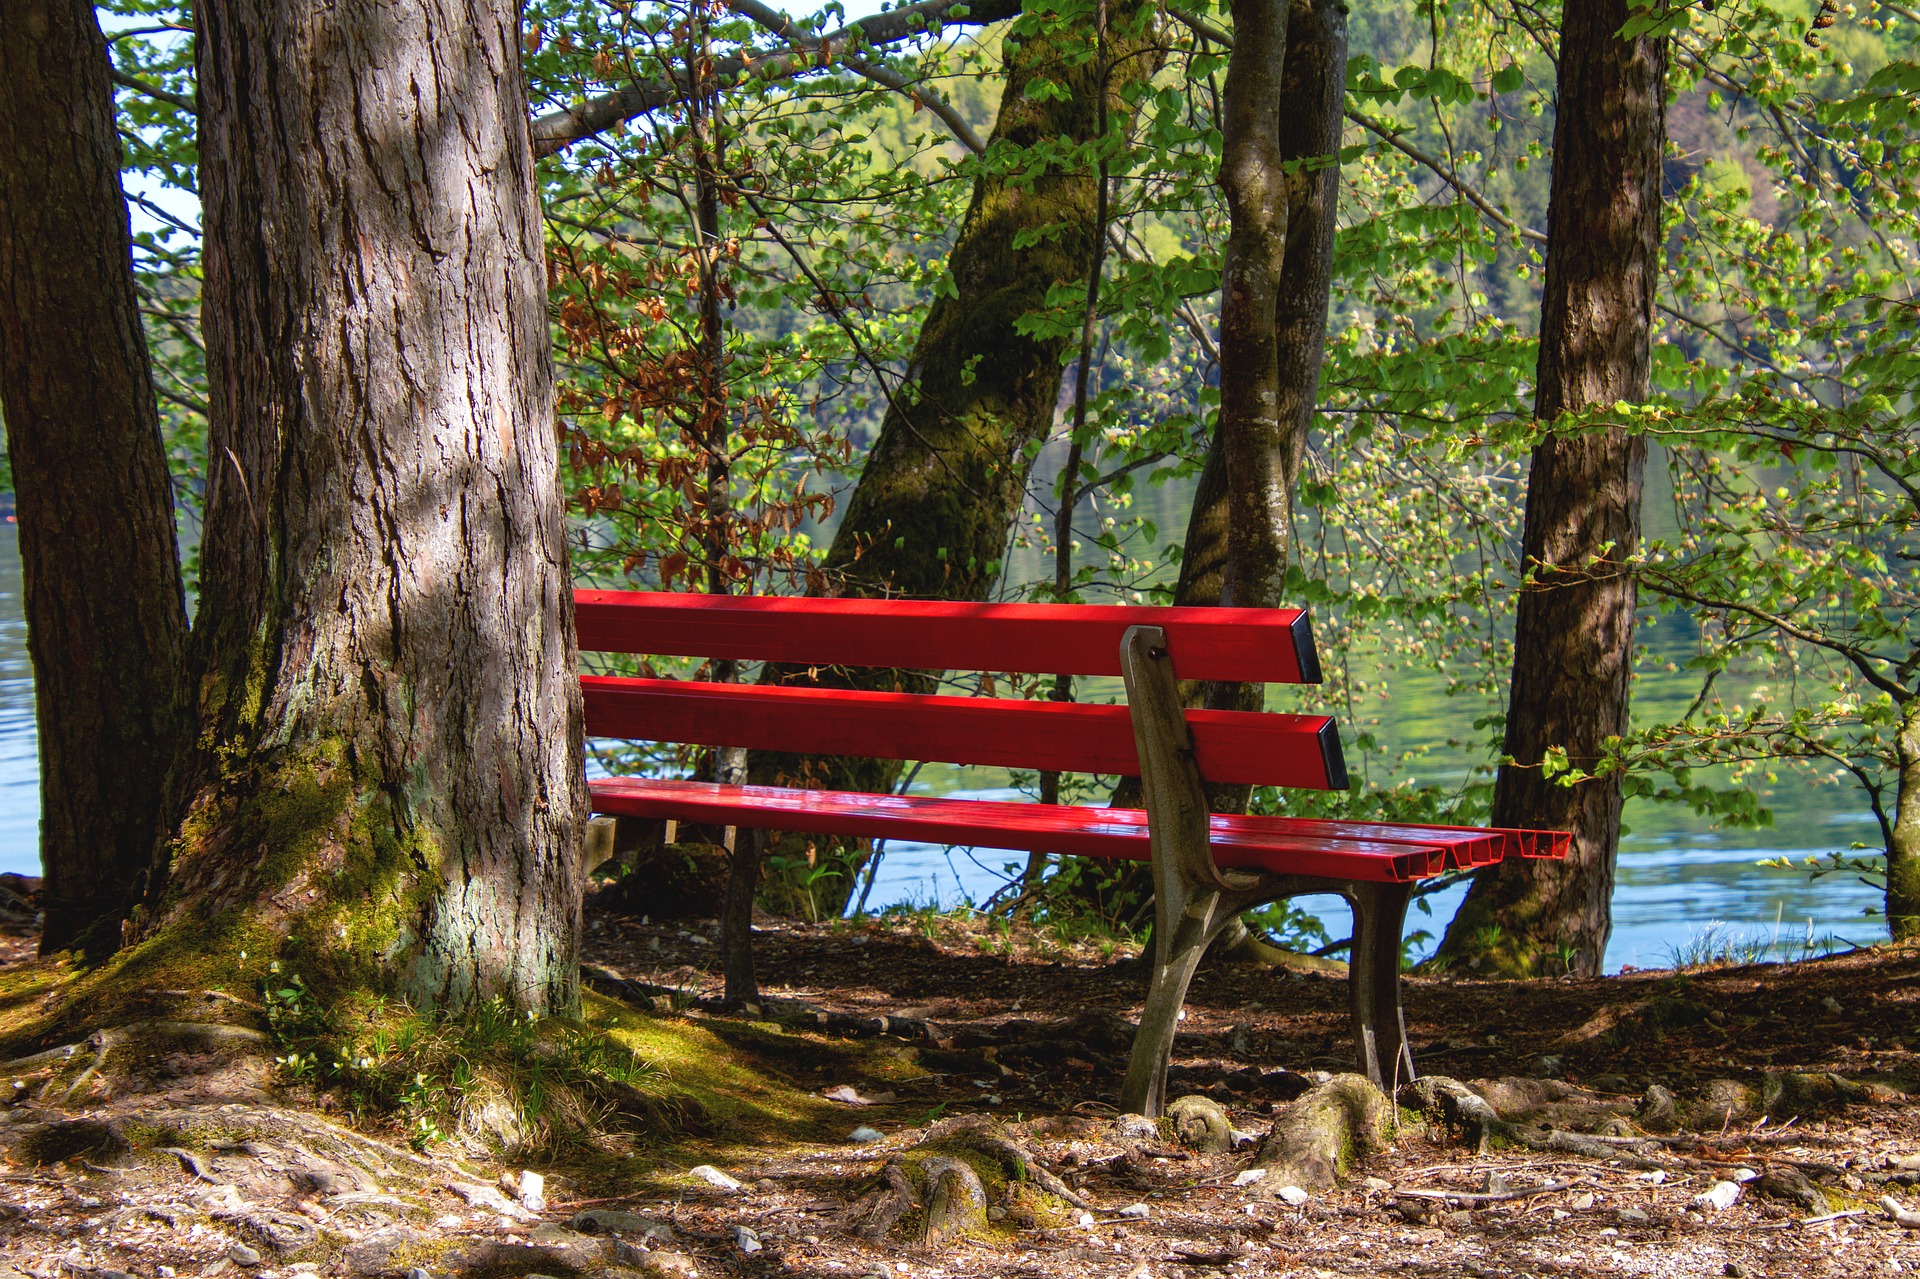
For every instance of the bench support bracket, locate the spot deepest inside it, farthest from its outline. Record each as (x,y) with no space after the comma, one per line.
(1194,899)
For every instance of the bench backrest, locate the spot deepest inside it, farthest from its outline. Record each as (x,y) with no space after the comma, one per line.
(1253,645)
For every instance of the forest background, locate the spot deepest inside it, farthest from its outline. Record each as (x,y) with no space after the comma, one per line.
(739,270)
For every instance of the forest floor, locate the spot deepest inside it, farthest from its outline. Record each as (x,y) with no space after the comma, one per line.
(238,1175)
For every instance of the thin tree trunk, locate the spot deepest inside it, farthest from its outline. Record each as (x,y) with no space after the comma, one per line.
(1070,492)
(389,792)
(1573,633)
(1903,841)
(1259,455)
(106,621)
(1305,131)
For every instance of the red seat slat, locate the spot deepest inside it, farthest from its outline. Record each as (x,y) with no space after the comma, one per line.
(1238,843)
(1229,746)
(1248,644)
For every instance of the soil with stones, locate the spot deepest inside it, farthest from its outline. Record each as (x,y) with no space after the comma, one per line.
(1728,1121)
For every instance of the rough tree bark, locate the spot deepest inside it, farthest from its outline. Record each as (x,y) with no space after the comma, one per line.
(106,621)
(386,791)
(1260,456)
(1573,634)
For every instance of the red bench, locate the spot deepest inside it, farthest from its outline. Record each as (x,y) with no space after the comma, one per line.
(1207,868)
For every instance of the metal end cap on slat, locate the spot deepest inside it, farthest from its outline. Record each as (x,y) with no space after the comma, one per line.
(1304,652)
(1333,757)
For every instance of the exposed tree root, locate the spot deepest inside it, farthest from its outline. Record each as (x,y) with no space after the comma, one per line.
(1316,1140)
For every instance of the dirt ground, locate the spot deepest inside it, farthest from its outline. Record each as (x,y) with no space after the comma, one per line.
(980,1021)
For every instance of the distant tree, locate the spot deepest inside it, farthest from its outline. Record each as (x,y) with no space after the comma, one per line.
(106,621)
(1573,635)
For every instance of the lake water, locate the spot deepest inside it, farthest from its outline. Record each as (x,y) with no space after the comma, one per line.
(1677,876)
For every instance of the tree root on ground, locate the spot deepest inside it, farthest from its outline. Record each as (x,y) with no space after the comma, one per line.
(951,1181)
(1316,1140)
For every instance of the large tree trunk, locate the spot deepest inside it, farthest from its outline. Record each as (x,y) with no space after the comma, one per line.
(106,623)
(387,792)
(1573,635)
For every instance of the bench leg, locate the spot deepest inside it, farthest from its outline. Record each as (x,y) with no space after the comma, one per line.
(1373,982)
(1178,945)
(736,917)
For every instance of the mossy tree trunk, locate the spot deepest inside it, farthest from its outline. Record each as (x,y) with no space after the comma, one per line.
(1573,633)
(386,789)
(106,621)
(932,513)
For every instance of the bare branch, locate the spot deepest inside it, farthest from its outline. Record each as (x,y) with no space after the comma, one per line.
(1446,173)
(153,91)
(558,130)
(781,25)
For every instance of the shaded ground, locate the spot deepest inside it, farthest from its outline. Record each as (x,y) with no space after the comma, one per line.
(1013,1026)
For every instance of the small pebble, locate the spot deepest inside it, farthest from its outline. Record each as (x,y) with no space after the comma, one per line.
(715,1178)
(1135,1210)
(1292,1196)
(419,1272)
(242,1255)
(1719,1196)
(1085,1219)
(748,1241)
(1248,1176)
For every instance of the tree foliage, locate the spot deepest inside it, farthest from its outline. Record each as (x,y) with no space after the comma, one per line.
(1777,572)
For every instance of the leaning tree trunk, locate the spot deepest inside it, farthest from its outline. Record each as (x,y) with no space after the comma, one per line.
(947,474)
(388,788)
(106,623)
(1573,634)
(937,498)
(1256,451)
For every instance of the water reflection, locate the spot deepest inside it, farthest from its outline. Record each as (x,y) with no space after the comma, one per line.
(19,756)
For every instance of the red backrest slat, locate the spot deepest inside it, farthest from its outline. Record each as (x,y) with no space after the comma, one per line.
(1229,746)
(1256,645)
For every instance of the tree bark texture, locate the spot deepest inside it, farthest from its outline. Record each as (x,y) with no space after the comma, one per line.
(935,504)
(1302,131)
(1253,179)
(388,789)
(106,621)
(1573,632)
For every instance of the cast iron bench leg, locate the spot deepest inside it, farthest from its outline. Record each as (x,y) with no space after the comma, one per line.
(1373,981)
(1191,901)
